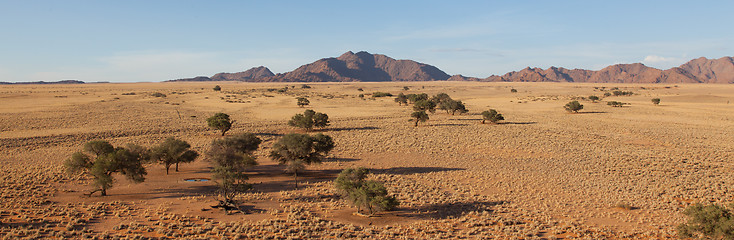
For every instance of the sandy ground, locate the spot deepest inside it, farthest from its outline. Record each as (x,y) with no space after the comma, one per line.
(541,173)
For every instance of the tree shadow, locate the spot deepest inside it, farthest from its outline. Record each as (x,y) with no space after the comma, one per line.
(449,124)
(270,134)
(341,159)
(466,119)
(597,112)
(518,123)
(414,170)
(452,210)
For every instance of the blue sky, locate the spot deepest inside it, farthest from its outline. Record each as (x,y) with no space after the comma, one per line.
(132,41)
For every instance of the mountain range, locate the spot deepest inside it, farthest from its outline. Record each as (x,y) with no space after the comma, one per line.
(367,67)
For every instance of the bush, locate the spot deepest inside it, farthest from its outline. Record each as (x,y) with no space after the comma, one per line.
(297,150)
(302,101)
(217,88)
(360,89)
(157,94)
(452,106)
(107,160)
(573,106)
(655,101)
(309,119)
(419,116)
(492,115)
(513,90)
(616,104)
(417,97)
(221,122)
(381,94)
(621,93)
(305,86)
(406,88)
(173,151)
(230,158)
(401,99)
(593,98)
(607,94)
(710,221)
(371,195)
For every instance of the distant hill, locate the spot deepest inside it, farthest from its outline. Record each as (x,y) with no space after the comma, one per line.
(43,82)
(367,67)
(700,70)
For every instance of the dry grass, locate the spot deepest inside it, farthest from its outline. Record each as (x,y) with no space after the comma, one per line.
(542,173)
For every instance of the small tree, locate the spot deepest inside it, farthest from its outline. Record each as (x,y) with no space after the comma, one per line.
(309,119)
(616,104)
(107,160)
(452,106)
(173,151)
(573,106)
(417,97)
(593,98)
(231,156)
(709,221)
(369,194)
(424,105)
(302,101)
(655,101)
(221,122)
(217,88)
(492,115)
(419,116)
(298,150)
(401,99)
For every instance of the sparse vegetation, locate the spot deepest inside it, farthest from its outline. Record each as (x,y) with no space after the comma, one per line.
(157,94)
(106,160)
(452,106)
(381,94)
(616,104)
(419,116)
(298,150)
(413,98)
(621,93)
(221,122)
(309,119)
(593,98)
(305,86)
(492,115)
(302,101)
(368,194)
(217,88)
(513,90)
(573,106)
(401,99)
(230,157)
(655,101)
(707,221)
(173,151)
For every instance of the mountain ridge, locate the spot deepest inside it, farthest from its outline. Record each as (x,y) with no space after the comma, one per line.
(366,67)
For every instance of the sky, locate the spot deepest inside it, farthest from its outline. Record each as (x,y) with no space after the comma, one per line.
(157,40)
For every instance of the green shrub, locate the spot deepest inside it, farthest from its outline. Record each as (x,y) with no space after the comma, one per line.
(573,106)
(221,122)
(655,101)
(302,101)
(381,94)
(157,94)
(593,98)
(217,88)
(710,221)
(309,119)
(419,116)
(492,115)
(368,194)
(401,99)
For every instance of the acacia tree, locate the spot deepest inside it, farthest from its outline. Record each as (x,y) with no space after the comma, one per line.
(593,98)
(298,150)
(309,119)
(221,122)
(302,101)
(573,106)
(173,151)
(106,160)
(424,105)
(453,106)
(417,97)
(401,99)
(369,194)
(492,115)
(419,116)
(710,221)
(230,157)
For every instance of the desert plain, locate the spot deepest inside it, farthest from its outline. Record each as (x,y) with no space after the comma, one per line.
(542,173)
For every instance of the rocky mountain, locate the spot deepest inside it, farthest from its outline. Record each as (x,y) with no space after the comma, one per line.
(43,82)
(250,74)
(700,70)
(361,66)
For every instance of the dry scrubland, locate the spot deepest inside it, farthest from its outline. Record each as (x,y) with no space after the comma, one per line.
(544,173)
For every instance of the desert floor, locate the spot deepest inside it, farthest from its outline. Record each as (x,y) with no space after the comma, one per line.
(541,173)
